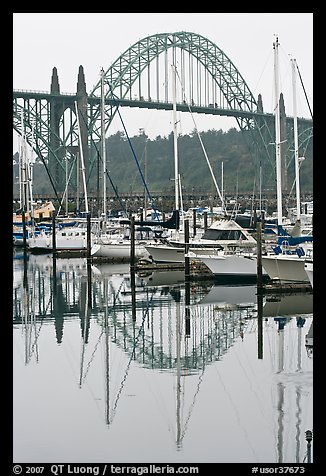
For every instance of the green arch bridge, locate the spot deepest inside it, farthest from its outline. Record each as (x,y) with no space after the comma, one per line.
(209,83)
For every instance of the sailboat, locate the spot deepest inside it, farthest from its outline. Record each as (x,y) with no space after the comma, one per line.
(73,238)
(286,261)
(223,233)
(115,243)
(67,238)
(24,225)
(231,264)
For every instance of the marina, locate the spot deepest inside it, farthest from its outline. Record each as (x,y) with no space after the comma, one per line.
(205,371)
(162,304)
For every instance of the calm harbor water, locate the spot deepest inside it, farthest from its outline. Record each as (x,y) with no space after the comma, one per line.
(114,367)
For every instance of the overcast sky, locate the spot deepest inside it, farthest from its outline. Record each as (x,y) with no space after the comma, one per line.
(95,40)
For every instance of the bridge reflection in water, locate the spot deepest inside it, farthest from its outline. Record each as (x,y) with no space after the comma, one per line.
(139,312)
(163,324)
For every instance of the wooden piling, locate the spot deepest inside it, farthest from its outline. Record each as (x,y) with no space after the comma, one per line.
(186,244)
(187,309)
(54,242)
(205,221)
(132,244)
(88,232)
(260,334)
(259,260)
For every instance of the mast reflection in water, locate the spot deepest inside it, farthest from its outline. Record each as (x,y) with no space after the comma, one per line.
(111,366)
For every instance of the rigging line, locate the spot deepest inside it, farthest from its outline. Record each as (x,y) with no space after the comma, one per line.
(142,158)
(305,148)
(116,193)
(116,294)
(96,345)
(236,414)
(86,321)
(134,154)
(157,394)
(304,90)
(131,358)
(251,386)
(107,173)
(202,145)
(30,325)
(91,357)
(292,186)
(66,187)
(83,377)
(39,329)
(192,405)
(298,415)
(37,335)
(46,168)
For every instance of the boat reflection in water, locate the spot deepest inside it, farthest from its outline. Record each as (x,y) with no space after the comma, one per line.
(155,356)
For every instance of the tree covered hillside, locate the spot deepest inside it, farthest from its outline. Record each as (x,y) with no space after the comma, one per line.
(227,151)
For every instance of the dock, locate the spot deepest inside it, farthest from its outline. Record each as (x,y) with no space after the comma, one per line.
(197,272)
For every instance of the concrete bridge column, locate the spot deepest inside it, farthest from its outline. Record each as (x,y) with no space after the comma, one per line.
(55,113)
(82,103)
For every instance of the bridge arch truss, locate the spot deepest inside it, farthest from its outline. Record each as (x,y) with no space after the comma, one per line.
(208,80)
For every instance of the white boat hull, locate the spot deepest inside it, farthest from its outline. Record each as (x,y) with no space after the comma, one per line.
(221,234)
(118,251)
(66,244)
(231,265)
(285,268)
(166,254)
(174,254)
(288,304)
(231,296)
(68,239)
(17,241)
(309,271)
(164,278)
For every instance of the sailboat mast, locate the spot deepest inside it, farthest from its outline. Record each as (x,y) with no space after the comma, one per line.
(180,191)
(30,178)
(296,141)
(175,138)
(103,142)
(82,157)
(277,135)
